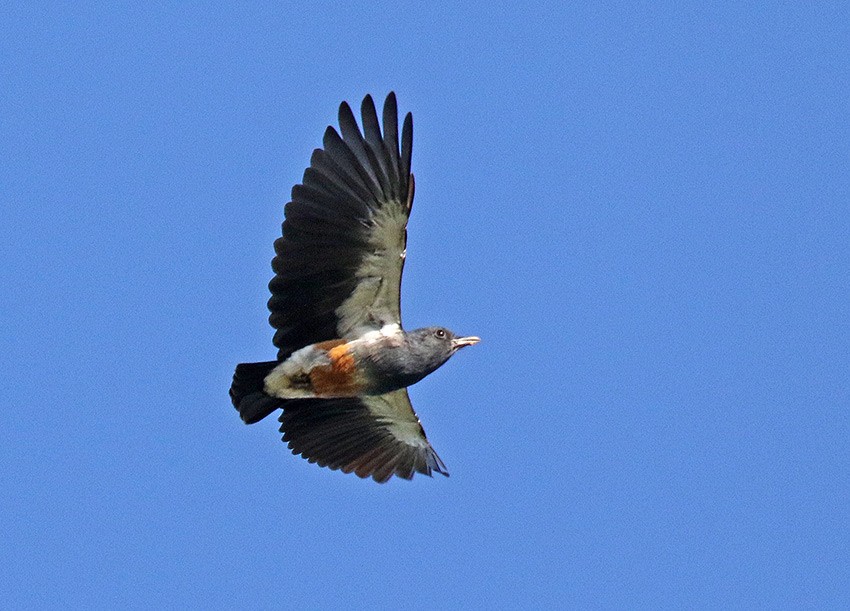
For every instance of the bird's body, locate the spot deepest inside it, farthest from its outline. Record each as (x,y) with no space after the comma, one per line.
(376,363)
(335,368)
(344,361)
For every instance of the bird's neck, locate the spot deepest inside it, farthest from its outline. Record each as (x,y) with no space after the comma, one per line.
(395,362)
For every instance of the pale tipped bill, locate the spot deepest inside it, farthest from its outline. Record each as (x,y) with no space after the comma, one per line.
(461,342)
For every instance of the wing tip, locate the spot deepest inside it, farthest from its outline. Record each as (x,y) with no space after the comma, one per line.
(374,474)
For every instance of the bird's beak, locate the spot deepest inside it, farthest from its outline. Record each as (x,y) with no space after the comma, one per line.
(460,342)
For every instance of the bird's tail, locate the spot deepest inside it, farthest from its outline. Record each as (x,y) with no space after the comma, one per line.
(247,392)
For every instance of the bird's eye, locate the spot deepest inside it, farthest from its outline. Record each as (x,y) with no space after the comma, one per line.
(440,334)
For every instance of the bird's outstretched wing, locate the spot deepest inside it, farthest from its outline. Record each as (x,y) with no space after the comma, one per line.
(338,264)
(378,436)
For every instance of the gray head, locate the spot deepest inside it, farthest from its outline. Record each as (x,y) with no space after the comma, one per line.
(437,342)
(430,347)
(422,352)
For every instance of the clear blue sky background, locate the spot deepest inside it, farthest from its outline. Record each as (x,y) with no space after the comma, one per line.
(641,208)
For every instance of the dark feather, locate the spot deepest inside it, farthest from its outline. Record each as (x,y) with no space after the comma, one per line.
(247,393)
(407,144)
(390,122)
(354,139)
(375,143)
(328,169)
(346,434)
(328,231)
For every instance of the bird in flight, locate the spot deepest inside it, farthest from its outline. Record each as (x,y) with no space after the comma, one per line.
(344,362)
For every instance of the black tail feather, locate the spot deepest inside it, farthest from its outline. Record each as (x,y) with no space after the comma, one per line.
(247,392)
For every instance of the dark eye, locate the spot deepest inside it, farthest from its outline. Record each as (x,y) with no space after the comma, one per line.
(440,334)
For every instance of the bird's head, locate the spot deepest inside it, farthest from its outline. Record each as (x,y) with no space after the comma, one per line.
(437,343)
(422,352)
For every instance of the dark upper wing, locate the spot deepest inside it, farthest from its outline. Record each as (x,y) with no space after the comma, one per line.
(378,436)
(338,264)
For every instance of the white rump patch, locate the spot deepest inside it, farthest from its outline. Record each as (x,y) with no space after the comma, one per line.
(281,381)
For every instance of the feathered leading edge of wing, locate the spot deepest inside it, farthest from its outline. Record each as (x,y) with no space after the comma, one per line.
(339,261)
(376,436)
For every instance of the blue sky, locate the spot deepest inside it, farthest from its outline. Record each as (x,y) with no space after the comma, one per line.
(642,208)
